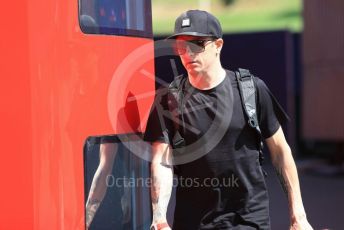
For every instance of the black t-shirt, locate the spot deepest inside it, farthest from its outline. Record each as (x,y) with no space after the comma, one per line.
(221,185)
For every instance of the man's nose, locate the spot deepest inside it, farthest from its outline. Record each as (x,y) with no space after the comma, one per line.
(189,52)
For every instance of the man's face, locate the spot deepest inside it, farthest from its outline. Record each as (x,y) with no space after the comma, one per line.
(197,54)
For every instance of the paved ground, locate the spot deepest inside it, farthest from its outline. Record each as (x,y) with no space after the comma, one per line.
(323,199)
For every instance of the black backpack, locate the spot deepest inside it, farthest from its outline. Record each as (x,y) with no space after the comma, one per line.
(248,93)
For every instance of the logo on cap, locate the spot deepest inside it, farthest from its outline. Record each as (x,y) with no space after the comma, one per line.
(186,22)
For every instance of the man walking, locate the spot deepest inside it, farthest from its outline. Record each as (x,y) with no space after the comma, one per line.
(199,131)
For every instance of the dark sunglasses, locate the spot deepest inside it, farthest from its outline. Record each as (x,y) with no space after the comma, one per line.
(195,46)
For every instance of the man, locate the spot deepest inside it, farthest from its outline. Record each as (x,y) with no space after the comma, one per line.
(236,197)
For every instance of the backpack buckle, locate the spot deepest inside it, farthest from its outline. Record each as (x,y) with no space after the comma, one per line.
(252,122)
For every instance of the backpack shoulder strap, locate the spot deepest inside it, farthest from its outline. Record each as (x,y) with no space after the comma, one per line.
(175,104)
(248,94)
(247,89)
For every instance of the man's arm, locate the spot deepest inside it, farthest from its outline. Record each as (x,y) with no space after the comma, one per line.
(285,167)
(162,181)
(98,188)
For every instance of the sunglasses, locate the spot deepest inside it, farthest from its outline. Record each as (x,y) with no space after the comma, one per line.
(195,46)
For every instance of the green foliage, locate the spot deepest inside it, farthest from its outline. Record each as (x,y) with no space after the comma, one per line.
(244,15)
(228,2)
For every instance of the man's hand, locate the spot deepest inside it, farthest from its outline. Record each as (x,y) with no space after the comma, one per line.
(160,226)
(165,228)
(300,224)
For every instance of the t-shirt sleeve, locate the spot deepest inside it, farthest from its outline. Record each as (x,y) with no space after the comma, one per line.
(270,113)
(159,125)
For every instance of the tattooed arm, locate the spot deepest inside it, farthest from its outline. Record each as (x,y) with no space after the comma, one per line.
(162,181)
(285,167)
(98,189)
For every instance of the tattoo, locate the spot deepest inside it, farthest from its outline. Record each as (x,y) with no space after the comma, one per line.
(160,194)
(155,190)
(91,209)
(155,198)
(282,180)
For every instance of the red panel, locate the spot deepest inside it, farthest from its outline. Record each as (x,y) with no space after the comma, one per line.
(58,90)
(16,160)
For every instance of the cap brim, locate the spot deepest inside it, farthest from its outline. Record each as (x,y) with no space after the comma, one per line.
(189,34)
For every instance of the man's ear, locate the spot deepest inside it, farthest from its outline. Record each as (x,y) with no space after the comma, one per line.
(219,43)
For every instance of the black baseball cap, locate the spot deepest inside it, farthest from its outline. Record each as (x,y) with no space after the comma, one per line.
(197,23)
